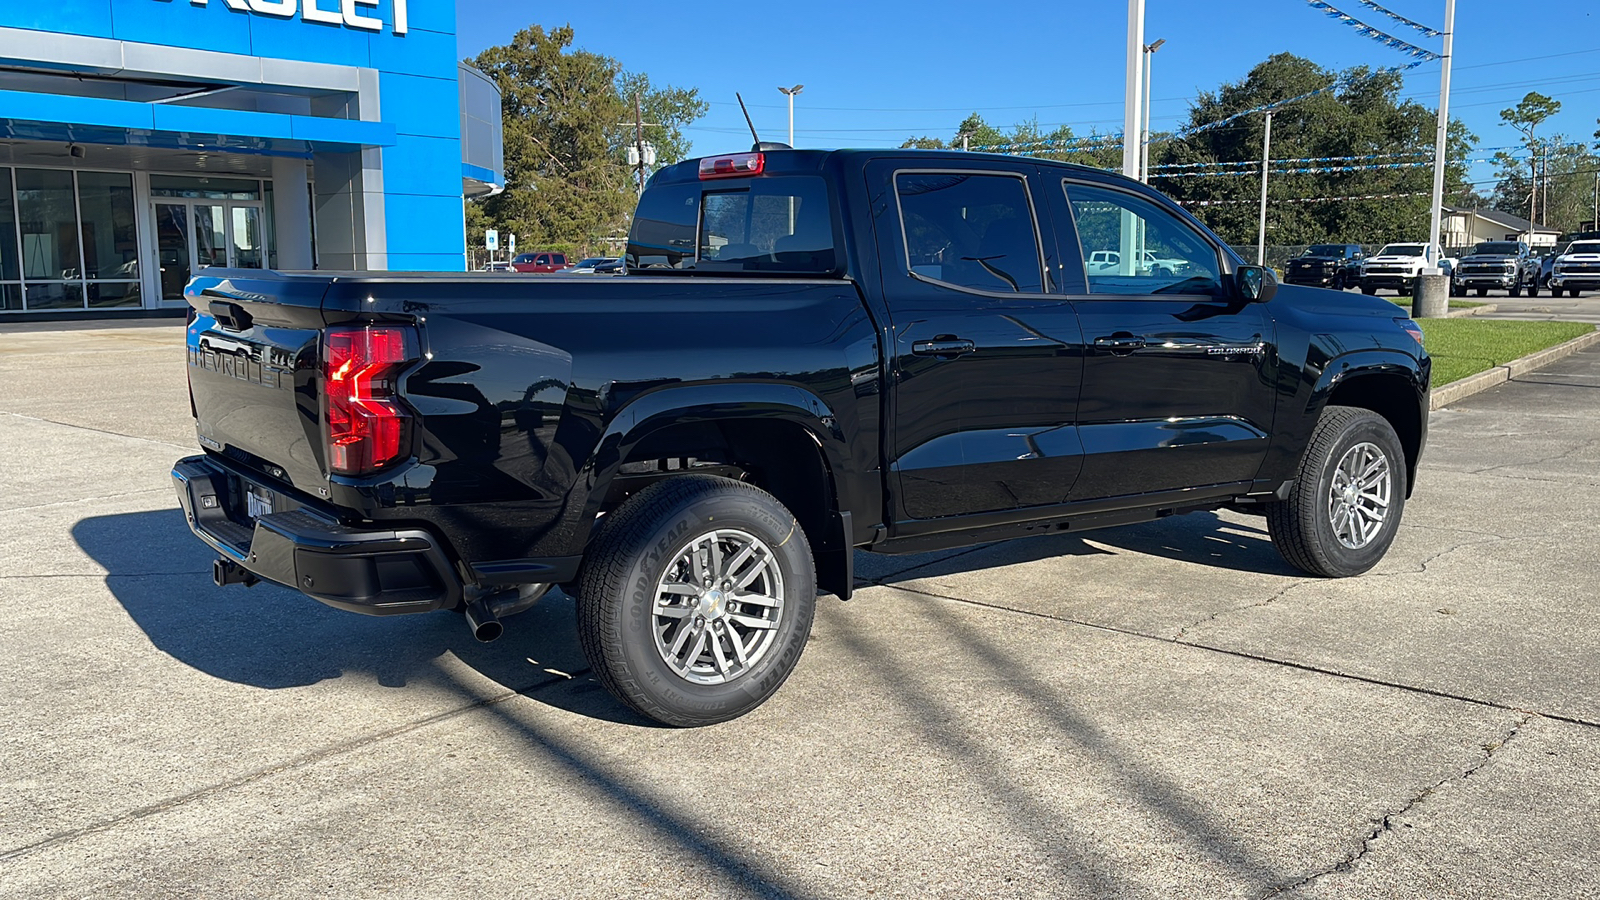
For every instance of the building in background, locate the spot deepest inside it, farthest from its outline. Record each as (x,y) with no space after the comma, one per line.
(141,140)
(1464,228)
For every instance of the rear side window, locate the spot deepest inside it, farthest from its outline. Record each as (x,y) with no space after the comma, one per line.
(970,230)
(781,225)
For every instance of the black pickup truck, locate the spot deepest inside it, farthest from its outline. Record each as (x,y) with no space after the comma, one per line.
(812,353)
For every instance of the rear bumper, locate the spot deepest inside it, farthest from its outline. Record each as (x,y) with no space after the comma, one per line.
(379,572)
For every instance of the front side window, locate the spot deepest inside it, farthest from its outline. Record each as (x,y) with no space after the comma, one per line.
(970,230)
(1132,246)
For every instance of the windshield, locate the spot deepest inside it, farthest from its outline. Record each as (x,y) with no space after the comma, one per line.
(1497,248)
(1335,250)
(1584,247)
(1401,250)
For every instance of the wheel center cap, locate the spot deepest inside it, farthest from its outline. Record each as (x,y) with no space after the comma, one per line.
(1350,494)
(711,603)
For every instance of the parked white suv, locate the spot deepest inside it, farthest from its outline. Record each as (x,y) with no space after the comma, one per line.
(1397,266)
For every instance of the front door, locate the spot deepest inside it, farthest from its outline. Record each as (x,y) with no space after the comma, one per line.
(1178,373)
(194,234)
(985,359)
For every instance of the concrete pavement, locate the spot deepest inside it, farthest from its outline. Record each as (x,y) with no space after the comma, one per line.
(1160,710)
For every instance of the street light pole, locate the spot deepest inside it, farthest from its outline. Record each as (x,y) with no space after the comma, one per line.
(1144,131)
(790,92)
(1135,90)
(1443,134)
(1266,158)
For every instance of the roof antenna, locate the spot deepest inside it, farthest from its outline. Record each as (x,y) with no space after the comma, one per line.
(759,144)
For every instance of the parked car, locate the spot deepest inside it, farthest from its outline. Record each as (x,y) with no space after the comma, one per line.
(617,266)
(1505,265)
(1397,266)
(540,262)
(1336,266)
(1577,269)
(591,265)
(916,358)
(1111,260)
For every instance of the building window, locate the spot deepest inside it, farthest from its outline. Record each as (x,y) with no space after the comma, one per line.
(110,239)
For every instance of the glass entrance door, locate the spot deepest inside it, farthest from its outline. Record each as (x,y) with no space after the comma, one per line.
(194,234)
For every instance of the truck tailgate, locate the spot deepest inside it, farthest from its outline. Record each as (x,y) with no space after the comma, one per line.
(252,362)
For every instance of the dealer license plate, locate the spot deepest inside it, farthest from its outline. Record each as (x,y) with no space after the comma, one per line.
(257,501)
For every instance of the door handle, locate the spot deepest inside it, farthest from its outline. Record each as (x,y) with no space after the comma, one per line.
(1120,344)
(943,347)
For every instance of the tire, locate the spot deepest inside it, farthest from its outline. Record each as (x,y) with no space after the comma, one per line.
(629,625)
(1308,529)
(1515,291)
(1533,289)
(1456,290)
(1483,292)
(1369,291)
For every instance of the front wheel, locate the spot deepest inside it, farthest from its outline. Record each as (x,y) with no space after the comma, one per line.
(1533,288)
(1369,291)
(1347,500)
(696,599)
(1515,291)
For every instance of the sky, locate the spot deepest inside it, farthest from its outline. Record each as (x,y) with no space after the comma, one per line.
(876,73)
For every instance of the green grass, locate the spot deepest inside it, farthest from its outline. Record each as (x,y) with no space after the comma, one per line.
(1405,304)
(1462,347)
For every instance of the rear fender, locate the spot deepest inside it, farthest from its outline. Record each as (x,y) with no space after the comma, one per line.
(713,404)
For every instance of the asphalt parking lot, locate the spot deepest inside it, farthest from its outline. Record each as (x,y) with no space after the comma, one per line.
(1159,710)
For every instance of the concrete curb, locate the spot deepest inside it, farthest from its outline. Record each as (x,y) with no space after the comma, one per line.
(1474,384)
(1472,311)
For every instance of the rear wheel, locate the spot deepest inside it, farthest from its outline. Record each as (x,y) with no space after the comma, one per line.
(1347,500)
(1533,288)
(696,599)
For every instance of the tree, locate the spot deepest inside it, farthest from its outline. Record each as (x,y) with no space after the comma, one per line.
(568,186)
(1526,117)
(1359,114)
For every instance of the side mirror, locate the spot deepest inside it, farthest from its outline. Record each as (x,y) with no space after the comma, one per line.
(1255,283)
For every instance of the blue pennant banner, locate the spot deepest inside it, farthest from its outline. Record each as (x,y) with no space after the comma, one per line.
(1362,28)
(1426,31)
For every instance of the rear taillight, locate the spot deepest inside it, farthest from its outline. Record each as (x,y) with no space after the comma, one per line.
(736,165)
(367,425)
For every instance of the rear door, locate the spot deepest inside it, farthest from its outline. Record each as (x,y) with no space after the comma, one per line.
(253,372)
(1177,377)
(985,356)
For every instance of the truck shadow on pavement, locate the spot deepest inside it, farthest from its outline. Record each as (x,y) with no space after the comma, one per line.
(1204,538)
(272,637)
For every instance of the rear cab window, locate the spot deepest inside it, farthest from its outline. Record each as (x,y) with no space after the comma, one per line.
(765,224)
(971,230)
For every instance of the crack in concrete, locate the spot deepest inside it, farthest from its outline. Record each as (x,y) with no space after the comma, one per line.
(1421,569)
(1234,609)
(17,509)
(131,437)
(1254,657)
(1386,824)
(1537,462)
(298,762)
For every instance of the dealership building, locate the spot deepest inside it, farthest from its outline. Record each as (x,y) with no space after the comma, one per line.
(141,140)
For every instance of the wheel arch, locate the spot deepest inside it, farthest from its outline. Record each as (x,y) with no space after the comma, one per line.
(1393,390)
(781,438)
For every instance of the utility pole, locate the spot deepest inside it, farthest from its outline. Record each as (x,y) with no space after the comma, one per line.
(1443,134)
(1266,159)
(638,137)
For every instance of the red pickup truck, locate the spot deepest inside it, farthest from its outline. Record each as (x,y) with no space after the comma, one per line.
(540,262)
